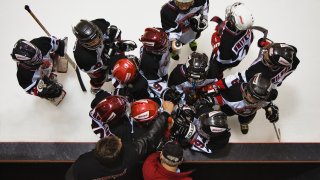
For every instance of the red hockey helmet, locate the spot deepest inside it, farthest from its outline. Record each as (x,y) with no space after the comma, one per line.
(110,110)
(125,70)
(155,40)
(144,110)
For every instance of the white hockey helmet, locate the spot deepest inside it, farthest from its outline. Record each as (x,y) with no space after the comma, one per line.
(239,15)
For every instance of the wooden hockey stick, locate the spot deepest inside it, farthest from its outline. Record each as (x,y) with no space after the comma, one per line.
(277,130)
(71,62)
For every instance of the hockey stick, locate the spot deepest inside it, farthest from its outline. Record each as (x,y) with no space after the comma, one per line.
(265,34)
(71,62)
(277,130)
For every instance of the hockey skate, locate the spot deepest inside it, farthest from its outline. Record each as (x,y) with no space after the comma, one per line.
(244,128)
(193,45)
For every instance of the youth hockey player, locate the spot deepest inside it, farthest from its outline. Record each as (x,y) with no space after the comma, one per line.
(155,62)
(276,62)
(35,61)
(188,78)
(245,99)
(184,20)
(98,43)
(231,40)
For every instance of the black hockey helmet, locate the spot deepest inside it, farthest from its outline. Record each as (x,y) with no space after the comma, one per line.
(184,111)
(26,52)
(258,89)
(279,55)
(197,67)
(88,34)
(212,124)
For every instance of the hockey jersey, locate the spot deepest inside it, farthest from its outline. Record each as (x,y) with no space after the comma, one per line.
(277,76)
(234,46)
(96,61)
(155,69)
(177,23)
(179,81)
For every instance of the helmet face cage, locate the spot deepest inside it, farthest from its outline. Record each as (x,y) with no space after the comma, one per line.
(184,5)
(239,16)
(144,111)
(279,55)
(27,53)
(212,124)
(197,68)
(88,34)
(258,89)
(155,40)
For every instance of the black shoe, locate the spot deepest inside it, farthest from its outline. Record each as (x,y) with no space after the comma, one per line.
(175,56)
(244,128)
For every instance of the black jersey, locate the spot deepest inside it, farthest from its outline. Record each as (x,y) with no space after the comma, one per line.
(94,61)
(234,46)
(177,23)
(277,76)
(155,69)
(29,76)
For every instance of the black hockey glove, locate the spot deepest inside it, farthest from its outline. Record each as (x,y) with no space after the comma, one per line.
(182,129)
(205,101)
(48,89)
(191,98)
(184,111)
(198,23)
(125,45)
(272,113)
(172,95)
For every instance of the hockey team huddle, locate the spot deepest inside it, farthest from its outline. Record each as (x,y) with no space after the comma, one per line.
(194,100)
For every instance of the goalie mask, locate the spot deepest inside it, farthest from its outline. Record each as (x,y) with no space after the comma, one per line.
(197,68)
(26,52)
(258,89)
(279,55)
(88,34)
(126,69)
(110,110)
(144,111)
(239,16)
(155,40)
(212,124)
(184,5)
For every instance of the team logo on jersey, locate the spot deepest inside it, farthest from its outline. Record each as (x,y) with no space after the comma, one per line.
(242,42)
